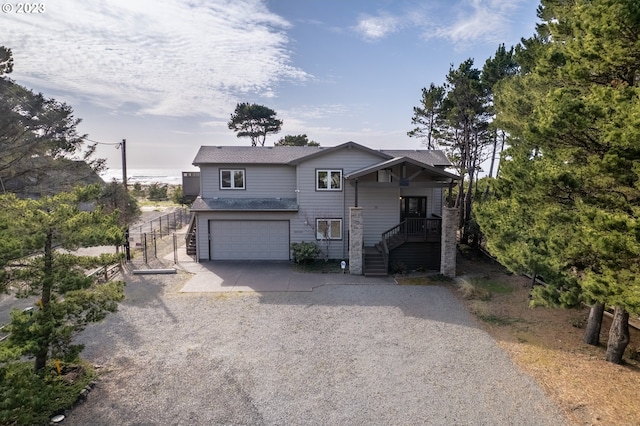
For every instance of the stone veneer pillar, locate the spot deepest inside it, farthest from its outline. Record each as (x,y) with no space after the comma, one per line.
(355,240)
(448,247)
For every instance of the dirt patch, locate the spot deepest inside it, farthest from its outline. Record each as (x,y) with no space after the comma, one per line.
(547,344)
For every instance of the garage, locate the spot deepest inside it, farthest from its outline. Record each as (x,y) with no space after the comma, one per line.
(249,240)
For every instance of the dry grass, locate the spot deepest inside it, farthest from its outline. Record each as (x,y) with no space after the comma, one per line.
(547,344)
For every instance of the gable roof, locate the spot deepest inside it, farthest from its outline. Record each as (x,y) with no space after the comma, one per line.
(432,157)
(398,160)
(293,155)
(252,154)
(347,145)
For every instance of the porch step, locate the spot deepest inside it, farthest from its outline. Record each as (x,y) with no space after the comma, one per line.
(374,262)
(191,241)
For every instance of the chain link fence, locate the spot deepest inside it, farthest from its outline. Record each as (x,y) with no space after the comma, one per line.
(159,241)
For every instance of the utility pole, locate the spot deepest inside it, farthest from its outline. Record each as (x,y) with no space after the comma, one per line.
(123,146)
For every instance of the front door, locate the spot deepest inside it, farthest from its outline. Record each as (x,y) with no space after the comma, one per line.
(413,208)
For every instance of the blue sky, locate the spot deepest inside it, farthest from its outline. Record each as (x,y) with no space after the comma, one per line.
(166,74)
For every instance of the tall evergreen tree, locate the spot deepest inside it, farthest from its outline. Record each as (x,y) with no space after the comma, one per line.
(466,122)
(255,122)
(38,140)
(575,115)
(453,117)
(496,69)
(428,116)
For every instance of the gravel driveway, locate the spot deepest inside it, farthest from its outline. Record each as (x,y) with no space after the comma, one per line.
(340,355)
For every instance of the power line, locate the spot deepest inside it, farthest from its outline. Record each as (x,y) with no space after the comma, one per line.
(103,143)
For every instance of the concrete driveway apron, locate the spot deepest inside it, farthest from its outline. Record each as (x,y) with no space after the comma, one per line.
(263,276)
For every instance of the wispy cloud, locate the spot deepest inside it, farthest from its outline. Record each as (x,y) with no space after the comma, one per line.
(479,21)
(377,27)
(163,57)
(464,22)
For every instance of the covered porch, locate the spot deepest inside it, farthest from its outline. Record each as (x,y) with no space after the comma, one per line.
(402,203)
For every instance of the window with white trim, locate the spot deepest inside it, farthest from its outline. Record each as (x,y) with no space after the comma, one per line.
(231,179)
(329,180)
(329,229)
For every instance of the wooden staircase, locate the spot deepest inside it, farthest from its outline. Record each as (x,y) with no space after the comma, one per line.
(376,259)
(374,264)
(191,237)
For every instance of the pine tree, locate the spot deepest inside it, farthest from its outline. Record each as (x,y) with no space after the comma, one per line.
(38,238)
(575,113)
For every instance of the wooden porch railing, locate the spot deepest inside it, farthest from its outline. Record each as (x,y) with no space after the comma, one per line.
(413,230)
(385,254)
(190,238)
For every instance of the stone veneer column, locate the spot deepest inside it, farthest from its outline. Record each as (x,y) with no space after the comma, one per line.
(448,247)
(355,240)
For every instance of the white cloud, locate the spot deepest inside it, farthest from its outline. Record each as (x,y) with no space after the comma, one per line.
(377,27)
(479,21)
(164,57)
(465,22)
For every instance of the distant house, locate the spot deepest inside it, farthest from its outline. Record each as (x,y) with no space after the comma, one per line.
(190,185)
(374,208)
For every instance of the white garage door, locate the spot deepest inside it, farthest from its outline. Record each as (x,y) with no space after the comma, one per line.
(250,240)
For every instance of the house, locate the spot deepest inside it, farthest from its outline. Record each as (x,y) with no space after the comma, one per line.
(374,208)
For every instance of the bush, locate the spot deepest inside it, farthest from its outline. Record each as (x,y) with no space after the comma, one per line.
(157,192)
(30,398)
(304,252)
(178,197)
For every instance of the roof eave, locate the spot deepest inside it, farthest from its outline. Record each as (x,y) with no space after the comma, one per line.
(338,147)
(398,160)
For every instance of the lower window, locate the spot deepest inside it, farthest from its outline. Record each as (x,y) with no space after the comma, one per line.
(329,229)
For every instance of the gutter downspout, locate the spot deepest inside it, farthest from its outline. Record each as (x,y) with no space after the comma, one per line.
(344,215)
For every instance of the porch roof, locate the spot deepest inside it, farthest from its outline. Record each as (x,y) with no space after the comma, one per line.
(245,204)
(399,160)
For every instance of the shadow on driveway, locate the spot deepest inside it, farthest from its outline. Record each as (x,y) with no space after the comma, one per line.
(264,276)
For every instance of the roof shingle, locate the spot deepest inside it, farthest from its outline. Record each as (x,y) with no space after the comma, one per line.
(295,154)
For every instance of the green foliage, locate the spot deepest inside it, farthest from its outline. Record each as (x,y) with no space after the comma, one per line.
(38,136)
(29,398)
(6,61)
(567,203)
(178,196)
(305,252)
(298,140)
(428,117)
(68,298)
(254,121)
(138,191)
(158,192)
(115,198)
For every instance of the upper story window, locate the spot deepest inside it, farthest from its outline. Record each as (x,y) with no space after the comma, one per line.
(231,179)
(329,180)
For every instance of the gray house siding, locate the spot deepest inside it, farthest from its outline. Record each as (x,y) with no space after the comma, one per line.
(261,181)
(380,209)
(316,204)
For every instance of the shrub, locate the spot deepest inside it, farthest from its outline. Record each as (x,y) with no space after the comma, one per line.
(157,192)
(398,268)
(304,252)
(30,398)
